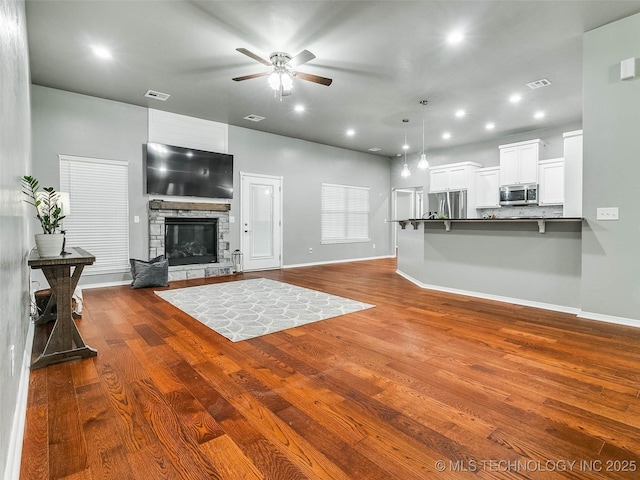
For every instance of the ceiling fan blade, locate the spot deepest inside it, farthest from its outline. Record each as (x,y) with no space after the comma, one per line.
(303,57)
(314,78)
(249,77)
(254,56)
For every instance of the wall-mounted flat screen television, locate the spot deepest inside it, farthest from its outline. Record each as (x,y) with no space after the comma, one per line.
(188,172)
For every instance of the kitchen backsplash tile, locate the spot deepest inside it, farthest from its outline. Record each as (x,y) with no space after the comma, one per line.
(553,211)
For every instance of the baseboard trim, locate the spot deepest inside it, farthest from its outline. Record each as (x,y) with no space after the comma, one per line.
(628,322)
(14,456)
(498,298)
(117,283)
(329,262)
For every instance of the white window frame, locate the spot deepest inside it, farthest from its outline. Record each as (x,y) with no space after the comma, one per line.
(345,212)
(99,219)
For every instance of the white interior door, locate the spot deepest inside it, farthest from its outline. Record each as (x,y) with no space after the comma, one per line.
(261,221)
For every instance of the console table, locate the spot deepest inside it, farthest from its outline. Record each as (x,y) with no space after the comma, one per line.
(65,341)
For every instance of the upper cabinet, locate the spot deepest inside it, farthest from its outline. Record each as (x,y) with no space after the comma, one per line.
(488,183)
(551,186)
(573,174)
(519,162)
(455,176)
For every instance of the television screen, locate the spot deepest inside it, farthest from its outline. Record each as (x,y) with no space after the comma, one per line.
(188,172)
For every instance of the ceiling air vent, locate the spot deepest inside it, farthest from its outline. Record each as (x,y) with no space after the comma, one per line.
(157,95)
(539,83)
(254,118)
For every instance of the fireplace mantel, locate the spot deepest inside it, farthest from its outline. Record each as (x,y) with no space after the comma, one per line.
(200,206)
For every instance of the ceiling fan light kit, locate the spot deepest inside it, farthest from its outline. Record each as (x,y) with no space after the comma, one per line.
(283,71)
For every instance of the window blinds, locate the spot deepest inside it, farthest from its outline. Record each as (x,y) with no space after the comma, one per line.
(345,214)
(99,218)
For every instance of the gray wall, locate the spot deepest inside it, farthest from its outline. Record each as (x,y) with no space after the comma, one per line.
(15,161)
(74,124)
(505,260)
(305,166)
(611,250)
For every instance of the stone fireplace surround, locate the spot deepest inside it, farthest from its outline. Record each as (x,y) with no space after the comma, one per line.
(161,209)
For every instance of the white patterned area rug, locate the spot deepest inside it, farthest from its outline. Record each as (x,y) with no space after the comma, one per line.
(249,308)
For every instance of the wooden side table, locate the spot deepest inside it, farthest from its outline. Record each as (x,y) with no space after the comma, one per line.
(65,341)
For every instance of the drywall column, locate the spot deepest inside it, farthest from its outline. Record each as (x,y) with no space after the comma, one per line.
(611,120)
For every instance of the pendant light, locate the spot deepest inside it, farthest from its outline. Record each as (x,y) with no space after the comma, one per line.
(423,164)
(405,169)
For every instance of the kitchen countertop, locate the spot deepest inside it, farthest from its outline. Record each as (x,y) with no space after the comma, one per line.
(541,221)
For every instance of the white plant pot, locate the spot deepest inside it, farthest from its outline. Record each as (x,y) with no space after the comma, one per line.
(49,244)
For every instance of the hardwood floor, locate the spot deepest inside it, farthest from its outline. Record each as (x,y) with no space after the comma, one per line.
(425,385)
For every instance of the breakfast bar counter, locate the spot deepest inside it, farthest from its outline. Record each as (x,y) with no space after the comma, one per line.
(541,221)
(500,258)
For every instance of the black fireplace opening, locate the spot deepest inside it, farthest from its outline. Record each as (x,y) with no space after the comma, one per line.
(191,240)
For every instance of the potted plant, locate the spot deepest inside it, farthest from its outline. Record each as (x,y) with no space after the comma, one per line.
(48,213)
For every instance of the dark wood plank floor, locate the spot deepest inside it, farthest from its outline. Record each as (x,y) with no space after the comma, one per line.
(425,385)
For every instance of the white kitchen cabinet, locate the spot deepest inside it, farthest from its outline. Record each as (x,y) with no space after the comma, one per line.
(455,176)
(488,187)
(438,180)
(551,182)
(519,162)
(573,174)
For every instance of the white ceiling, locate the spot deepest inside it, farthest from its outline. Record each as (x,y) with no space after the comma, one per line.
(384,57)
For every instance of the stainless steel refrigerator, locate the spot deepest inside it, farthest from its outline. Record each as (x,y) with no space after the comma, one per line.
(448,204)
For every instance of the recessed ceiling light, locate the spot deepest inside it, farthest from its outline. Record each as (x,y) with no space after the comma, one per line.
(446,135)
(539,115)
(254,118)
(460,113)
(351,132)
(455,37)
(515,98)
(490,126)
(405,147)
(375,149)
(299,108)
(101,52)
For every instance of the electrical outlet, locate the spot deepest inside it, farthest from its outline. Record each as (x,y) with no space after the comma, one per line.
(310,250)
(374,245)
(607,213)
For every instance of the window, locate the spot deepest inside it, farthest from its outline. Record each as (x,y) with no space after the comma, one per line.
(99,219)
(345,214)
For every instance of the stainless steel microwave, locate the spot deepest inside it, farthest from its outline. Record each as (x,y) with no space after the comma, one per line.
(525,194)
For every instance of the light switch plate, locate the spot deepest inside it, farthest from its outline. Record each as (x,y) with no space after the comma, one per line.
(610,213)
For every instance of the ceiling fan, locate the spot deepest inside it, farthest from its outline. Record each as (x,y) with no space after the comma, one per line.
(283,70)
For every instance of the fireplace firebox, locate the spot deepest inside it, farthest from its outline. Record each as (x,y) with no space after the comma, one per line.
(191,240)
